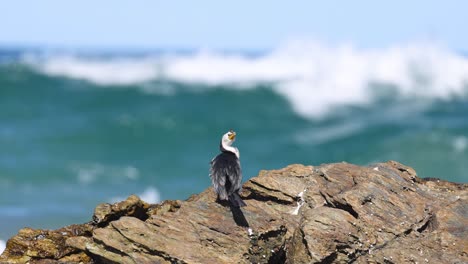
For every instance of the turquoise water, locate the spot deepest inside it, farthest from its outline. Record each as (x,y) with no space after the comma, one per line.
(80,129)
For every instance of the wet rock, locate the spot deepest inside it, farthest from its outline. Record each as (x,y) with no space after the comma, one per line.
(333,213)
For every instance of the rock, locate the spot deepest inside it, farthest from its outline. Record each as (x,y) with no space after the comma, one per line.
(133,206)
(333,213)
(33,245)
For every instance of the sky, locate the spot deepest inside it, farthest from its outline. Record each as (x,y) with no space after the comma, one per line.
(230,25)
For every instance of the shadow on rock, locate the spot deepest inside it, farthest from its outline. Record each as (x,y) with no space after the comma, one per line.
(238,216)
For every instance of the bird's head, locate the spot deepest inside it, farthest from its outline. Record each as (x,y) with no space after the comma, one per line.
(226,143)
(229,138)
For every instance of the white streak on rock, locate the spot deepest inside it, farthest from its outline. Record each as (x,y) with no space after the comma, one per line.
(300,202)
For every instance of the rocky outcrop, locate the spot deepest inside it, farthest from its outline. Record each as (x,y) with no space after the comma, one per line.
(333,213)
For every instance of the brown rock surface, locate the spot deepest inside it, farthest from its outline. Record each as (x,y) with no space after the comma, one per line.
(333,213)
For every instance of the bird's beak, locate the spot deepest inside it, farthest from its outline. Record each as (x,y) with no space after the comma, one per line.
(232,136)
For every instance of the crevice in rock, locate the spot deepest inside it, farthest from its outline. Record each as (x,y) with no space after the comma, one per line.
(430,225)
(423,227)
(321,222)
(213,229)
(329,259)
(323,175)
(354,180)
(138,212)
(273,233)
(354,255)
(348,208)
(272,190)
(107,248)
(163,255)
(341,247)
(210,241)
(429,222)
(367,199)
(304,241)
(278,255)
(340,205)
(217,230)
(406,232)
(268,247)
(255,195)
(99,259)
(328,200)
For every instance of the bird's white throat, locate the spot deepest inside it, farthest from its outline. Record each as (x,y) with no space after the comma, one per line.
(227,146)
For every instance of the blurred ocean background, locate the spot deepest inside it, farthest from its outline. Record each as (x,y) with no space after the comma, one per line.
(78,128)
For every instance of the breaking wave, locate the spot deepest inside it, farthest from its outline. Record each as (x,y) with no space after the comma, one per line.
(312,76)
(150,195)
(2,246)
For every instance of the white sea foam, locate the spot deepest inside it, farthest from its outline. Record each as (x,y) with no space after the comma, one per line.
(460,143)
(116,71)
(89,173)
(312,76)
(310,73)
(330,133)
(150,195)
(131,172)
(2,246)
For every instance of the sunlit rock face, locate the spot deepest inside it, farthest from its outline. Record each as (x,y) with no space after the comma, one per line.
(383,213)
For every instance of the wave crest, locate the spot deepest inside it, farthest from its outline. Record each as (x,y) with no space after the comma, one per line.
(113,71)
(2,246)
(312,76)
(150,195)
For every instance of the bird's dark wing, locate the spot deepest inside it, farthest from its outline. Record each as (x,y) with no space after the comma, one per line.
(218,177)
(235,176)
(226,175)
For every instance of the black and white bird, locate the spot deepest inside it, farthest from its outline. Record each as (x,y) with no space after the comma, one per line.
(225,171)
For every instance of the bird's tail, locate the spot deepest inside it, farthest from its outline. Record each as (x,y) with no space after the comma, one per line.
(235,200)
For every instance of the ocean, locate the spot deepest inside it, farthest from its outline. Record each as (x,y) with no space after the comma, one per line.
(78,128)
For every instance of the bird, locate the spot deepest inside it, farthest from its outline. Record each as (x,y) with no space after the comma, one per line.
(226,173)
